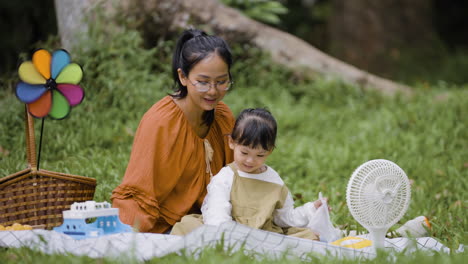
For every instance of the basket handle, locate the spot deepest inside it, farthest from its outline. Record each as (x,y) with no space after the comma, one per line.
(30,141)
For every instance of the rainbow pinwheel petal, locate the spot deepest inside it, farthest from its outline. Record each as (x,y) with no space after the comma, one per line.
(29,74)
(72,73)
(29,93)
(60,107)
(41,60)
(73,93)
(41,107)
(60,59)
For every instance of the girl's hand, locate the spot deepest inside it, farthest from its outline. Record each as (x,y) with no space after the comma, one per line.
(318,203)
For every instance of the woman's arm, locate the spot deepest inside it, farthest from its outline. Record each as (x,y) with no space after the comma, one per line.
(216,208)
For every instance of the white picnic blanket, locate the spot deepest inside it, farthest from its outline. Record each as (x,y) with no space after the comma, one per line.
(144,246)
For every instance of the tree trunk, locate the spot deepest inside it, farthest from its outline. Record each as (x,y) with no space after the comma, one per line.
(70,21)
(284,48)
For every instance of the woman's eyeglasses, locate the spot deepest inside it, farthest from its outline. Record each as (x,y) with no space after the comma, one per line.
(203,87)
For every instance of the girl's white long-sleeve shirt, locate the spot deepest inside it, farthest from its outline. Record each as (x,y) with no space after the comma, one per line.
(216,208)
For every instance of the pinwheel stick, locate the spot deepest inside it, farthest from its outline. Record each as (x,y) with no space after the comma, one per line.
(40,144)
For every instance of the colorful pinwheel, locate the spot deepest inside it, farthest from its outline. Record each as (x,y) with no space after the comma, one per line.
(50,84)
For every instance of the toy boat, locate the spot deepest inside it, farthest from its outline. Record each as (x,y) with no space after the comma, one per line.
(76,220)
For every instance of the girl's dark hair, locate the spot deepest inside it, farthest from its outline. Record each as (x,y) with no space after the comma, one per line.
(254,128)
(193,46)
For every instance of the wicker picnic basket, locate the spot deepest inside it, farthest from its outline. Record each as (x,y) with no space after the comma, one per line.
(37,197)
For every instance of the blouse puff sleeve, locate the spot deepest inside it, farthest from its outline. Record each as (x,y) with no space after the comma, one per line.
(216,207)
(137,196)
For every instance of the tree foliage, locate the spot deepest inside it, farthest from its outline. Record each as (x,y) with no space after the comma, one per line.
(267,11)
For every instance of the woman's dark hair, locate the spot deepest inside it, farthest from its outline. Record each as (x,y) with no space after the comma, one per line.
(254,128)
(193,46)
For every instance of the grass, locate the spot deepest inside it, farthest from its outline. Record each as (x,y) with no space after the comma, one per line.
(217,255)
(326,130)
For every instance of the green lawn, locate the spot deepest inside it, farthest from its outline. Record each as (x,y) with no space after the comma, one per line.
(326,130)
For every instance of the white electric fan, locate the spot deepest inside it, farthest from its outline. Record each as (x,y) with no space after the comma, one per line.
(378,195)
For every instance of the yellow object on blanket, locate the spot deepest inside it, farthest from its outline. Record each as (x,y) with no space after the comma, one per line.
(353,242)
(15,227)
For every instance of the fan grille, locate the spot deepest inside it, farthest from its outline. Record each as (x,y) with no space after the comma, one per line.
(378,194)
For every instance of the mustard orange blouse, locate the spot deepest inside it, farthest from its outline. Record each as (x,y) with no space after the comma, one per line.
(167,176)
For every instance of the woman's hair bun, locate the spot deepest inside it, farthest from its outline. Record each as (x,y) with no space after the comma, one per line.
(192,33)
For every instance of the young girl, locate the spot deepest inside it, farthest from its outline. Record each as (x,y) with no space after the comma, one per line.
(248,191)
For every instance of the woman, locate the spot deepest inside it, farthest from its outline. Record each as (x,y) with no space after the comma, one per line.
(182,140)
